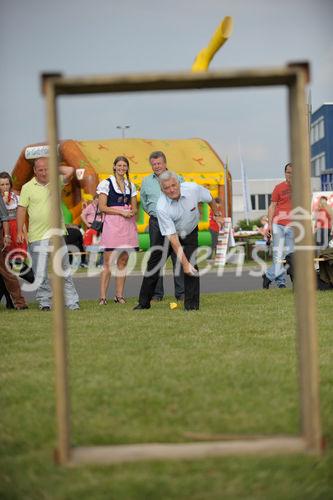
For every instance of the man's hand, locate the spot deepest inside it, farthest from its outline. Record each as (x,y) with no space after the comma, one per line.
(20,237)
(269,230)
(189,269)
(178,249)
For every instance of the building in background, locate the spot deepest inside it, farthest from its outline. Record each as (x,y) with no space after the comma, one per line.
(260,195)
(321,140)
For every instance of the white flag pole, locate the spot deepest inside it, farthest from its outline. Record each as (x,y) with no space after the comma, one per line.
(226,167)
(309,113)
(245,186)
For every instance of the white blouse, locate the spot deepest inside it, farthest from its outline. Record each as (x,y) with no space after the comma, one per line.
(103,187)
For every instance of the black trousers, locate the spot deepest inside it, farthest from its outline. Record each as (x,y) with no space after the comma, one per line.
(323,237)
(157,260)
(74,241)
(156,239)
(4,293)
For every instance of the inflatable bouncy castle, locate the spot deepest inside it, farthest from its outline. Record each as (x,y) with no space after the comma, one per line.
(194,159)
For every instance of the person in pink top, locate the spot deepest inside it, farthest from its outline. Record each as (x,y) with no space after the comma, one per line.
(89,212)
(324,220)
(117,200)
(214,228)
(87,216)
(279,227)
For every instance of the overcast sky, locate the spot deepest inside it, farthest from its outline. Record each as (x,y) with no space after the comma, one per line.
(84,37)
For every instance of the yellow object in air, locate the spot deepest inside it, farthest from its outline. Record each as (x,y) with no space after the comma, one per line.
(220,36)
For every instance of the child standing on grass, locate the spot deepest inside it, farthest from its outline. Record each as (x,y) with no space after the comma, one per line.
(88,215)
(214,228)
(324,221)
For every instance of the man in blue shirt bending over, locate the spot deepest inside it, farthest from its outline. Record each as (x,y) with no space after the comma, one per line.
(178,216)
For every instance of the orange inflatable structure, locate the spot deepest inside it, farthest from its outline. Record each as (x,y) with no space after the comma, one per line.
(195,159)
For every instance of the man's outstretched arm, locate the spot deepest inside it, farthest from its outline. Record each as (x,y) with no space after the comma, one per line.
(271,212)
(178,249)
(67,172)
(20,220)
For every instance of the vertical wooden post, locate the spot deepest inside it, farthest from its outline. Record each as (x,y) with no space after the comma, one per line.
(59,323)
(304,269)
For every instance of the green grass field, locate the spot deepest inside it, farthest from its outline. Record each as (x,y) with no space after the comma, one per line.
(157,375)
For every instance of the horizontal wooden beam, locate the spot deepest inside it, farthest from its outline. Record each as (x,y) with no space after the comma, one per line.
(173,81)
(181,451)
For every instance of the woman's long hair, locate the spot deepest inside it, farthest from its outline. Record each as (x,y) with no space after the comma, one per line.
(6,175)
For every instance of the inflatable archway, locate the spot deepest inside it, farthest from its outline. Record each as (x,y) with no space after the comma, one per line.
(195,159)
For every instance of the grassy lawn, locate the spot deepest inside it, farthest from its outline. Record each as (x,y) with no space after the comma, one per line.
(157,375)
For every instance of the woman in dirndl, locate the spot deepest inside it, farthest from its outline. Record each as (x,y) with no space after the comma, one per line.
(117,200)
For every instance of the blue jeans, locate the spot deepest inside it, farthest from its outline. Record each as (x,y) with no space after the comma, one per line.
(283,244)
(40,252)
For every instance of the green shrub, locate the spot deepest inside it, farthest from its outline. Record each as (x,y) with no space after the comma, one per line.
(248,226)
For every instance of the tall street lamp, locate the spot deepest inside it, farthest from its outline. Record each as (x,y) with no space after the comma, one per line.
(123,128)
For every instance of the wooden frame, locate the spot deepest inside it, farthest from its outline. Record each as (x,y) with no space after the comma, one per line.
(294,77)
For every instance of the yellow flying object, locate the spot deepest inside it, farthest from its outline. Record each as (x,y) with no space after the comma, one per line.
(221,35)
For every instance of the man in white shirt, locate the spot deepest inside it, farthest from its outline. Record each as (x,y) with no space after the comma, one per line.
(150,193)
(178,216)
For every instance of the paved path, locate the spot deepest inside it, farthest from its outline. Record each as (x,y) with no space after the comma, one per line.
(228,281)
